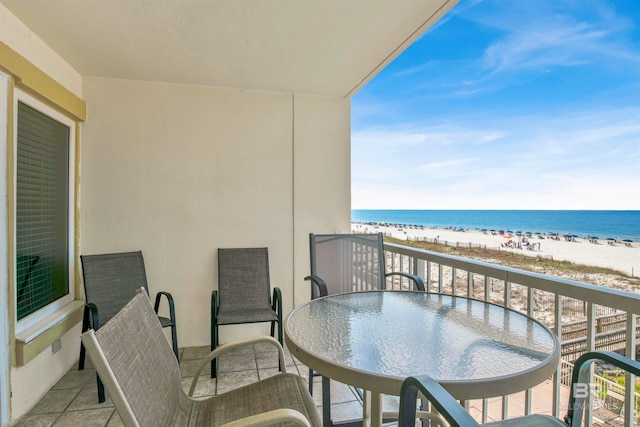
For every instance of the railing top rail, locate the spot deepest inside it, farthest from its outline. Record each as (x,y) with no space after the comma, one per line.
(614,298)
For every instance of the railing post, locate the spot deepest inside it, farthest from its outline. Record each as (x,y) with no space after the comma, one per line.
(629,383)
(420,269)
(469,284)
(454,281)
(505,407)
(527,393)
(591,341)
(487,288)
(507,294)
(557,324)
(440,277)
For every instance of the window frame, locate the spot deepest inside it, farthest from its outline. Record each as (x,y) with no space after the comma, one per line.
(38,316)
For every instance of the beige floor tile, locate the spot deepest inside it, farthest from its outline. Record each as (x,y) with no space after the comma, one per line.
(191,353)
(345,411)
(206,386)
(236,363)
(55,401)
(88,418)
(115,420)
(40,420)
(340,392)
(244,349)
(77,379)
(188,368)
(231,380)
(88,399)
(265,347)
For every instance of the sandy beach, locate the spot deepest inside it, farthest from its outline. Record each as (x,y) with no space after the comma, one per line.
(618,256)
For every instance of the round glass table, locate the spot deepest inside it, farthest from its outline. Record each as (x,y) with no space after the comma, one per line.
(374,340)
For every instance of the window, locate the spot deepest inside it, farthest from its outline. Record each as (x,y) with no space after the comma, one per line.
(44,206)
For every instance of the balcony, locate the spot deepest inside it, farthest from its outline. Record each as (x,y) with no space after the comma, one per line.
(586,317)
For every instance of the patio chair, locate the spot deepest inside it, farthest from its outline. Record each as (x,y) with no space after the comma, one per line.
(143,379)
(243,293)
(348,263)
(456,415)
(110,280)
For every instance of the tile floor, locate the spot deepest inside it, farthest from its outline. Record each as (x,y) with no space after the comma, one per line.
(73,401)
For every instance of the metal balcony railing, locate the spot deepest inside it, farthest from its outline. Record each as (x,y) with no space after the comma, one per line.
(593,317)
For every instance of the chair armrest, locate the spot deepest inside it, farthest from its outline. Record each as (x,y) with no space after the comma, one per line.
(90,309)
(440,398)
(270,418)
(276,304)
(581,374)
(319,283)
(417,280)
(172,310)
(234,344)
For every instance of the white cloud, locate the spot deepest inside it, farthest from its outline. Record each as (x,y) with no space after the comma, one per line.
(582,160)
(453,143)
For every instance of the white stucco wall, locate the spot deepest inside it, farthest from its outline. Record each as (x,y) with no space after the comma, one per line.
(178,171)
(30,382)
(20,38)
(322,176)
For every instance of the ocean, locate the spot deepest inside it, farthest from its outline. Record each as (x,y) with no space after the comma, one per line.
(602,224)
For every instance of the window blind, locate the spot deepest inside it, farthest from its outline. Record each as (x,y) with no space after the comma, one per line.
(42,210)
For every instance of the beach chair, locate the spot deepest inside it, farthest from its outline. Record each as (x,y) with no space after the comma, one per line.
(348,263)
(143,379)
(110,280)
(243,293)
(455,414)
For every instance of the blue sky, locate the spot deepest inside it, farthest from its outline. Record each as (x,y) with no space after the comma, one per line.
(504,104)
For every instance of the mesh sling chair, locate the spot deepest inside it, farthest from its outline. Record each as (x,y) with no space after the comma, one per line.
(243,294)
(348,263)
(110,280)
(142,377)
(455,414)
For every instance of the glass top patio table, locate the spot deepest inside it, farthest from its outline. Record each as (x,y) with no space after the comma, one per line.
(373,340)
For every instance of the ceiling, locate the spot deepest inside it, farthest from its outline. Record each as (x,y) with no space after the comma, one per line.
(319,47)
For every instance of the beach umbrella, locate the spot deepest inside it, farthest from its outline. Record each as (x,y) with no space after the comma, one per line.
(595,237)
(501,232)
(628,240)
(611,238)
(553,234)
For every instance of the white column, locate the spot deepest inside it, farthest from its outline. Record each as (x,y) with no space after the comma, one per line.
(5,391)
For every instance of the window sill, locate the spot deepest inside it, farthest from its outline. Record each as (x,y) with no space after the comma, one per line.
(33,340)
